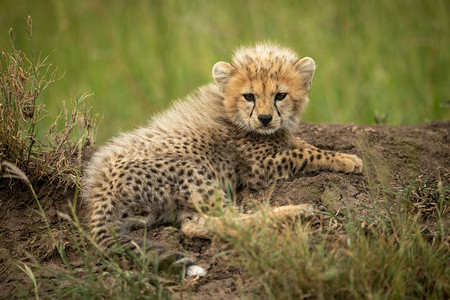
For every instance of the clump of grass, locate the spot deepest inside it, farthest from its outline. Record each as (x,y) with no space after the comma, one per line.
(53,155)
(351,261)
(426,196)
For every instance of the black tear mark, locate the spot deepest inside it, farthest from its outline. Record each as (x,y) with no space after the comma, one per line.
(278,112)
(253,108)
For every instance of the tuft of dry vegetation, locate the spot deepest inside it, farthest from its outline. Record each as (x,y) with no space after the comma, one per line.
(52,154)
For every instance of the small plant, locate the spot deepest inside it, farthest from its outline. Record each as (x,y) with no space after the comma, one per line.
(54,155)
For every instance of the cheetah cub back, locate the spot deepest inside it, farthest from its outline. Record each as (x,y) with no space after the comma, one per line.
(235,132)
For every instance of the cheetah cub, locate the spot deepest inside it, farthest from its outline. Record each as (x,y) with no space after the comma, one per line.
(235,131)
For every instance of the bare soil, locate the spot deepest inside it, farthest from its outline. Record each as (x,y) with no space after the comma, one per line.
(393,156)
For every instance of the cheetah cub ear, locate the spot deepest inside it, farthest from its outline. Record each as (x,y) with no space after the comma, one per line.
(222,72)
(306,68)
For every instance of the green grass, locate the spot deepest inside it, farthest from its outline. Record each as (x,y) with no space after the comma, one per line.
(378,61)
(384,61)
(387,254)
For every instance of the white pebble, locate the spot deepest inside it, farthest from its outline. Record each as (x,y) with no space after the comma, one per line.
(195,271)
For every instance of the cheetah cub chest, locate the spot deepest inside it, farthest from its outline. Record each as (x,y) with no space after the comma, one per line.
(234,132)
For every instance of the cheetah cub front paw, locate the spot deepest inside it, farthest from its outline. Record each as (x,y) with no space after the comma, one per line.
(348,163)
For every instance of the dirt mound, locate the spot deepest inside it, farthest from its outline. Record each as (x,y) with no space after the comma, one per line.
(393,156)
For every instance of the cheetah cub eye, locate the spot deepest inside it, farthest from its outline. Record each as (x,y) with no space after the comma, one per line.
(249,97)
(280,96)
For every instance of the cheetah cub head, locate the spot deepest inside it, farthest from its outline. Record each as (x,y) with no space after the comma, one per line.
(265,88)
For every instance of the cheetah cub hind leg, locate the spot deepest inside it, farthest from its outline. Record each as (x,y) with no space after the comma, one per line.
(167,260)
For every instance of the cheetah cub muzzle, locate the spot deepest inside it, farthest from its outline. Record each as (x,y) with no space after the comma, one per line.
(235,131)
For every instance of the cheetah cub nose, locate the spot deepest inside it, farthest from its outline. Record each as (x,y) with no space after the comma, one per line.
(265,119)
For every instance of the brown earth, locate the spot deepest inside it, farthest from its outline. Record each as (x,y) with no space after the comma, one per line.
(393,156)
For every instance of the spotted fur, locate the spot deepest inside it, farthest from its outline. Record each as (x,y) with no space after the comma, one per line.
(161,172)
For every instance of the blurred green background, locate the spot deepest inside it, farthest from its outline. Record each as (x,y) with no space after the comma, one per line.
(378,62)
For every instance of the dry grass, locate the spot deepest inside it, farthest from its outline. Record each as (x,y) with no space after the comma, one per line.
(55,154)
